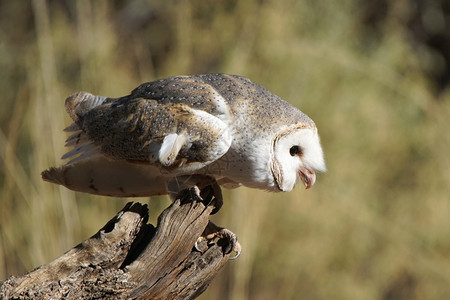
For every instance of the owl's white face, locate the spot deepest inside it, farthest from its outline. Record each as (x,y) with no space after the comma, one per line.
(297,154)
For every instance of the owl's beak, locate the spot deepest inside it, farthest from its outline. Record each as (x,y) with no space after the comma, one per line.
(307,176)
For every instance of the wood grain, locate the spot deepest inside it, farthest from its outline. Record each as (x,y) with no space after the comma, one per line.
(129,258)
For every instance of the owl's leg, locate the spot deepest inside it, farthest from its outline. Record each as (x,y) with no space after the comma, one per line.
(208,189)
(216,234)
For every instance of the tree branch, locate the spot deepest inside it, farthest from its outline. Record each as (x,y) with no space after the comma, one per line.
(129,258)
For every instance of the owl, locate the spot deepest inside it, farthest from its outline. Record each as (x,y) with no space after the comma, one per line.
(207,130)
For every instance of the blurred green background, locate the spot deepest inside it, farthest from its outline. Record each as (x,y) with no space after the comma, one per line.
(373,75)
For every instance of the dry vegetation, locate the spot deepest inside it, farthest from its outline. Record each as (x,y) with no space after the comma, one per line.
(376,225)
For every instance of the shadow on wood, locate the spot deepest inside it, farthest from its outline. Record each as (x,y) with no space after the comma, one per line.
(129,258)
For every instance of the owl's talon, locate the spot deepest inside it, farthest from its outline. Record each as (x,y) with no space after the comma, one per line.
(222,236)
(199,241)
(236,249)
(205,188)
(218,199)
(197,192)
(231,241)
(211,195)
(218,202)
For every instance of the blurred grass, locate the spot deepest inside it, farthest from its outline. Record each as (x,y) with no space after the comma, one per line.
(376,225)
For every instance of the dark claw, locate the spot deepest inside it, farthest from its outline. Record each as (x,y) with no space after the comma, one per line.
(237,251)
(231,242)
(217,205)
(212,194)
(224,237)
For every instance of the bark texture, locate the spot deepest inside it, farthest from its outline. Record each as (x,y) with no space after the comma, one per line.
(129,258)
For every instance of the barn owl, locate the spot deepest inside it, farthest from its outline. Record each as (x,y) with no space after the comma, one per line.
(205,130)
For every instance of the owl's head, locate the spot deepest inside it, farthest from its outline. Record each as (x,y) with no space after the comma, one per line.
(296,155)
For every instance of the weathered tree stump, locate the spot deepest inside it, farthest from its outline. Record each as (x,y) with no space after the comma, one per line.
(129,258)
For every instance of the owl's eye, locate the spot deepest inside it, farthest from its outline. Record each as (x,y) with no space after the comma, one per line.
(295,150)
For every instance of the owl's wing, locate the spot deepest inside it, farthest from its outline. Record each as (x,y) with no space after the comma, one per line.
(171,135)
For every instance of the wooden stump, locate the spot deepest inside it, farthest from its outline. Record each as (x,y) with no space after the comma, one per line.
(129,258)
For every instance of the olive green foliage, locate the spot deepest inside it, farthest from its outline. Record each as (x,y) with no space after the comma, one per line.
(376,225)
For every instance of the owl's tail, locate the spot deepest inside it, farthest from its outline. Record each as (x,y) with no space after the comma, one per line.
(78,104)
(102,176)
